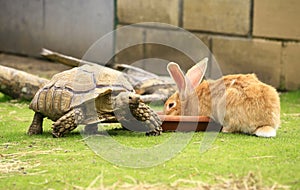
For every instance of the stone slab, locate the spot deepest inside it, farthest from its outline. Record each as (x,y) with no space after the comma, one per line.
(277,19)
(21,26)
(291,65)
(67,26)
(239,55)
(129,47)
(178,46)
(165,11)
(72,26)
(220,16)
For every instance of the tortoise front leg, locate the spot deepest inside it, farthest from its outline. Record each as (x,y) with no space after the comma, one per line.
(151,120)
(67,123)
(36,126)
(144,118)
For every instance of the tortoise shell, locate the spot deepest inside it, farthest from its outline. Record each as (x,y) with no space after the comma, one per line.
(76,86)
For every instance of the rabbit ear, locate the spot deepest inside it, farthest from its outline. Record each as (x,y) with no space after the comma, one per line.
(177,75)
(196,73)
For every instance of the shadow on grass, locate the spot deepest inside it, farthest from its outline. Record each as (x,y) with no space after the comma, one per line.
(4,98)
(78,134)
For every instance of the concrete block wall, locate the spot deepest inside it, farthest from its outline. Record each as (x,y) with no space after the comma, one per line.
(68,26)
(260,36)
(157,45)
(248,36)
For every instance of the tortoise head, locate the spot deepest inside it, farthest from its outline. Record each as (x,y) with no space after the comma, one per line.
(124,105)
(127,99)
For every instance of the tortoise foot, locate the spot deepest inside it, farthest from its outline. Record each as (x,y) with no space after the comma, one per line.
(154,133)
(33,130)
(66,123)
(36,126)
(150,119)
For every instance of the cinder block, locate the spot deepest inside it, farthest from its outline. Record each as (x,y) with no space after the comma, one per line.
(221,16)
(165,11)
(177,46)
(277,18)
(21,26)
(73,26)
(205,38)
(291,65)
(238,55)
(67,26)
(129,47)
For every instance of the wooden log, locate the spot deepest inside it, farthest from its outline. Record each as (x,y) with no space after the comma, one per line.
(64,59)
(19,84)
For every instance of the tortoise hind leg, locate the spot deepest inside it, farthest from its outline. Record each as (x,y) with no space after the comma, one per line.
(67,123)
(36,126)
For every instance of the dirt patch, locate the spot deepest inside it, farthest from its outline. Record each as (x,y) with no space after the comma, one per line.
(40,67)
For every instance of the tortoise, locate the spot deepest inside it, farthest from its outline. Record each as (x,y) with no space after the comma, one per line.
(87,95)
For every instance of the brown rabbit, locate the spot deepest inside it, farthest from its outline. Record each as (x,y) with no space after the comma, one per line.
(241,103)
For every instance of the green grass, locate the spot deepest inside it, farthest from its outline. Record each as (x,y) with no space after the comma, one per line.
(42,162)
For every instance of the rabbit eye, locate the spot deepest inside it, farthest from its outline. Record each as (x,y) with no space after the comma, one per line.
(171,105)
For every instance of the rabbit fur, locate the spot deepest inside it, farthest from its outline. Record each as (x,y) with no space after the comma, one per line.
(241,103)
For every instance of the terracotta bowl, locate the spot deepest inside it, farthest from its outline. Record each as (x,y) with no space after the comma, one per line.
(188,123)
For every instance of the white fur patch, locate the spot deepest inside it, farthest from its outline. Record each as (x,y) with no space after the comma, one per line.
(261,133)
(232,82)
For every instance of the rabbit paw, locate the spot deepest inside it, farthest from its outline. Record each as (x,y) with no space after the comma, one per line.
(265,131)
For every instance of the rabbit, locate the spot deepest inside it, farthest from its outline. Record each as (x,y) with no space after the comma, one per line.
(240,102)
